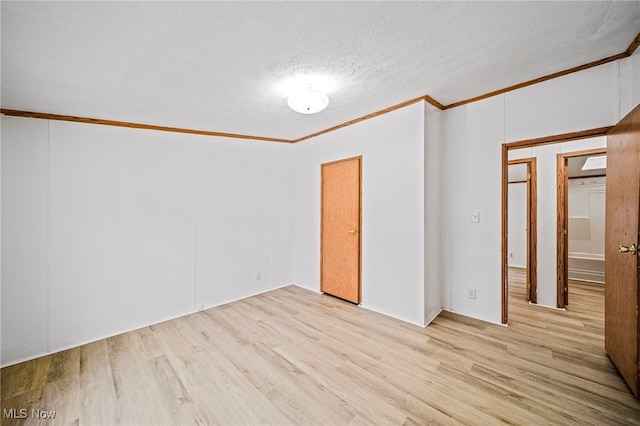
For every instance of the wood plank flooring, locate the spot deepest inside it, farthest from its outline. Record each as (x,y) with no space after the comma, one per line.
(294,357)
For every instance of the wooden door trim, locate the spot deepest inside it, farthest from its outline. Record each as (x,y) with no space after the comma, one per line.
(504,293)
(322,166)
(532,225)
(527,143)
(562,297)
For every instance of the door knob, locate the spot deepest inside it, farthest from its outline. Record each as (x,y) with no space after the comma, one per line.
(625,249)
(353,231)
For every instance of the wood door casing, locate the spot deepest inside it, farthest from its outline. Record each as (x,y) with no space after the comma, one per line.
(562,232)
(532,227)
(340,240)
(526,143)
(621,269)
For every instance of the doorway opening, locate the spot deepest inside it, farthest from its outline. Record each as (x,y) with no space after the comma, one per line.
(581,209)
(523,222)
(506,149)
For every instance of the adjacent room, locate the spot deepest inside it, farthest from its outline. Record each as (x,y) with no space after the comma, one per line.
(322,213)
(586,208)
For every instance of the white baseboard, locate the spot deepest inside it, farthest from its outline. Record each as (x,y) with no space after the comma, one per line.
(586,275)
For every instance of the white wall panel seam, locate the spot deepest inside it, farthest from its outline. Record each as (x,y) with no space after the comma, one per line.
(48,252)
(272,215)
(291,224)
(0,241)
(195,226)
(619,90)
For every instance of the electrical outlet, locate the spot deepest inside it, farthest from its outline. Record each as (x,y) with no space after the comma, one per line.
(258,276)
(471,293)
(475,217)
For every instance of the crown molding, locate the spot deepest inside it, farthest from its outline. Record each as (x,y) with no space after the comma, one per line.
(633,46)
(538,80)
(363,118)
(628,52)
(86,120)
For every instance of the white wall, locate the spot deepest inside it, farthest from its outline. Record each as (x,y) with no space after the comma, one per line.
(517,227)
(243,219)
(473,137)
(474,134)
(433,134)
(587,202)
(629,84)
(586,208)
(121,223)
(578,101)
(281,190)
(392,149)
(108,229)
(24,237)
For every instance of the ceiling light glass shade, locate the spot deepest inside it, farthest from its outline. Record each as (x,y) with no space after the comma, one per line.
(308,101)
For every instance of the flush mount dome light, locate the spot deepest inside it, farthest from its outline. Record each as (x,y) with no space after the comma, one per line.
(308,101)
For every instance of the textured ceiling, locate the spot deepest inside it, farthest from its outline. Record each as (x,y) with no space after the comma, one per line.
(220,66)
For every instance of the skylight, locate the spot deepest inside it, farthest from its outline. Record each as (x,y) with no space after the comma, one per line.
(594,163)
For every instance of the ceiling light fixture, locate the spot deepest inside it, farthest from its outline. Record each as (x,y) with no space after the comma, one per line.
(308,101)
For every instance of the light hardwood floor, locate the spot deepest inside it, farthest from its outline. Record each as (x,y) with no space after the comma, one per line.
(292,356)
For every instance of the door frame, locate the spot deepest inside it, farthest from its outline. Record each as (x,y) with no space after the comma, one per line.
(527,143)
(532,226)
(322,166)
(562,299)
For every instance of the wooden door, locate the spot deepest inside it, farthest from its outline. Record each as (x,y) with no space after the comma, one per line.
(621,239)
(340,234)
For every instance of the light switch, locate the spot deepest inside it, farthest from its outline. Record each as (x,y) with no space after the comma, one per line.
(475,217)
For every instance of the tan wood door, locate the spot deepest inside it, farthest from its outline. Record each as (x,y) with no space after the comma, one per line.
(621,239)
(340,235)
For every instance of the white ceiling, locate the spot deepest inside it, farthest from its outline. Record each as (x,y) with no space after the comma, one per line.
(218,66)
